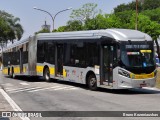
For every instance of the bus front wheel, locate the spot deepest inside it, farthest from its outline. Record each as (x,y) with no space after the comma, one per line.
(46,74)
(92,82)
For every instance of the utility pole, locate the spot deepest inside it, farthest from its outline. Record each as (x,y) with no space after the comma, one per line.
(136,22)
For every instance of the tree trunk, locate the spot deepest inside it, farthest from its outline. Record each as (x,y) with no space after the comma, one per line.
(158,52)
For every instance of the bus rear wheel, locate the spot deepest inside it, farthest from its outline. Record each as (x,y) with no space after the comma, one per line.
(92,82)
(46,74)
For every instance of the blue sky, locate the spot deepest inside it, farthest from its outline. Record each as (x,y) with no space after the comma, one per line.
(32,19)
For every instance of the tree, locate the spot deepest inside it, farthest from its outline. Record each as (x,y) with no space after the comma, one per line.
(125,18)
(103,22)
(120,8)
(74,25)
(142,5)
(4,28)
(113,21)
(4,31)
(62,29)
(91,24)
(16,29)
(128,7)
(150,4)
(154,14)
(5,15)
(88,11)
(13,29)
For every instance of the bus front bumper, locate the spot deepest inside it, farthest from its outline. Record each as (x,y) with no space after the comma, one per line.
(126,83)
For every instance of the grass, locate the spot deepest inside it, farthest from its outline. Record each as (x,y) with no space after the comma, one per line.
(158,78)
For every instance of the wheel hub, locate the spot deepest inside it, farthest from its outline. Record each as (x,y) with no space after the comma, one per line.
(92,81)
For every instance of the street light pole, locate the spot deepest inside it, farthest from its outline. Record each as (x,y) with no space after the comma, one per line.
(58,13)
(53,18)
(45,12)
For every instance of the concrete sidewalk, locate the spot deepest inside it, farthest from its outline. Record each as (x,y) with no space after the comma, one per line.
(5,106)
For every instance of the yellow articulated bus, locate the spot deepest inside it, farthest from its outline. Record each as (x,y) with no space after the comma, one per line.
(111,58)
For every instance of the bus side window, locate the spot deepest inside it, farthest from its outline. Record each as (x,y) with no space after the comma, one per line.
(72,55)
(92,54)
(40,51)
(50,52)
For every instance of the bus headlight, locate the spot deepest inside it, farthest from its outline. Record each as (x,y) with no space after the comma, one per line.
(123,73)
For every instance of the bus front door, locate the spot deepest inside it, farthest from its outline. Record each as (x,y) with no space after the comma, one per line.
(59,60)
(107,64)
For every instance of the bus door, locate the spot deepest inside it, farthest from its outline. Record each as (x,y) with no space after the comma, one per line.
(107,64)
(21,59)
(59,59)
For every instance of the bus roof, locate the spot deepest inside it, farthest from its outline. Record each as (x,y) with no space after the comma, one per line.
(117,34)
(17,43)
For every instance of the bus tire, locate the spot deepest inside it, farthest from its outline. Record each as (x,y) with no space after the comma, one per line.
(9,72)
(92,82)
(46,74)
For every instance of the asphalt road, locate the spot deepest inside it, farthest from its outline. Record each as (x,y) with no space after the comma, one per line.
(34,94)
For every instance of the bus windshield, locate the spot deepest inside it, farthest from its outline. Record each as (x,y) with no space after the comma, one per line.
(137,54)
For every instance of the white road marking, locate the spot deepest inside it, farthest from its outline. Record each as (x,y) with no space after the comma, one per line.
(11,89)
(7,88)
(44,89)
(34,89)
(7,84)
(74,88)
(25,90)
(62,88)
(12,103)
(24,83)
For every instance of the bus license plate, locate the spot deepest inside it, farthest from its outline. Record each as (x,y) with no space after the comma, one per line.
(143,85)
